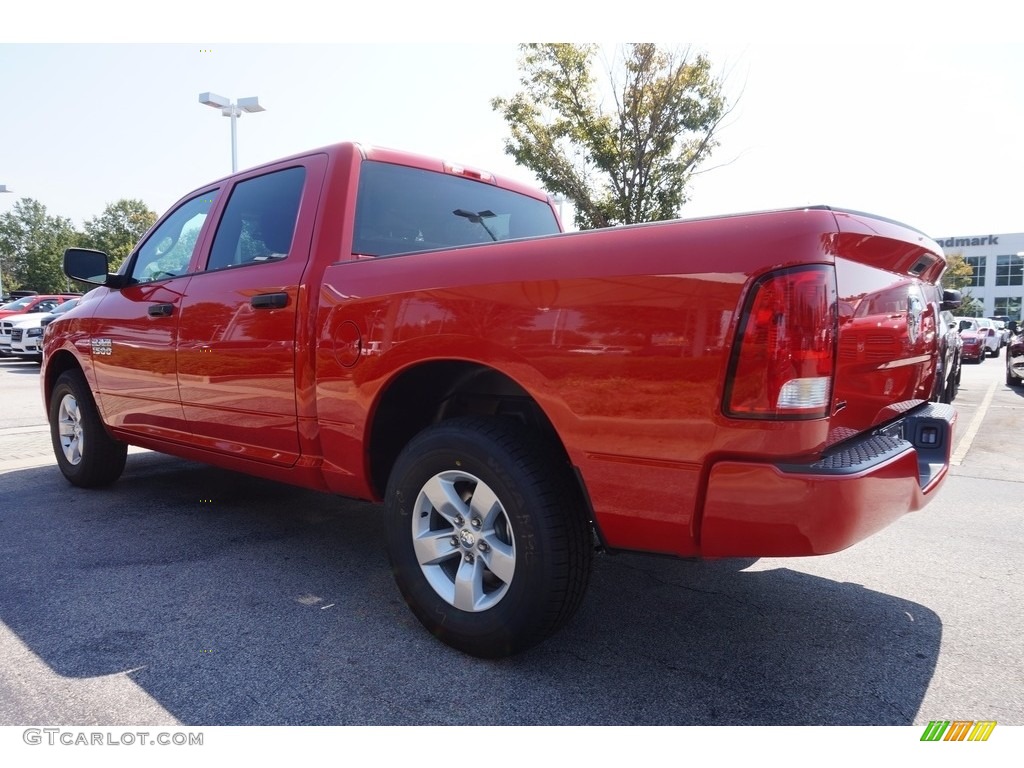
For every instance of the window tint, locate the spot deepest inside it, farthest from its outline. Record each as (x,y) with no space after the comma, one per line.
(1009,270)
(168,250)
(259,220)
(1009,305)
(977,264)
(403,210)
(19,304)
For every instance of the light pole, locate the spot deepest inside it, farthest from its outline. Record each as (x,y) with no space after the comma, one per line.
(558,200)
(234,111)
(3,188)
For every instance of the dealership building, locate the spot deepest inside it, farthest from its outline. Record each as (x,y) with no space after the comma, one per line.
(998,262)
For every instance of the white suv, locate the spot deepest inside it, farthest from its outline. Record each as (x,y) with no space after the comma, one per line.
(24,337)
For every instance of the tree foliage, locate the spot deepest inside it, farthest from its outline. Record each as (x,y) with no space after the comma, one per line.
(957,277)
(625,166)
(32,244)
(118,229)
(958,272)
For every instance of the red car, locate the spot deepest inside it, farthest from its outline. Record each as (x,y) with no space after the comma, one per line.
(973,337)
(40,303)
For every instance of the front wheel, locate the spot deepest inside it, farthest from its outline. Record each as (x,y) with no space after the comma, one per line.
(86,454)
(487,534)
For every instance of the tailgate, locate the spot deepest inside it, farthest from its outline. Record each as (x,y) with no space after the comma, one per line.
(889,322)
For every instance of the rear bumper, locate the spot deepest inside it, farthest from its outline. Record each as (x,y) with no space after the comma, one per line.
(787,510)
(973,351)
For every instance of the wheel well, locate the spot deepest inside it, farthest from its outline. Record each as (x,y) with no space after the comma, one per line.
(433,392)
(55,366)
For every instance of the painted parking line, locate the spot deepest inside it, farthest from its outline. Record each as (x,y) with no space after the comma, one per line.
(972,430)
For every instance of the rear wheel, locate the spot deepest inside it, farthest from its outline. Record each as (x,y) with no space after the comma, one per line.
(953,383)
(86,454)
(487,534)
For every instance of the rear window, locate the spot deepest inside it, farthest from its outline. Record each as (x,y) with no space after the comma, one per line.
(405,210)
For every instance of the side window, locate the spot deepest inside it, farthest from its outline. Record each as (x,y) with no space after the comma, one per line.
(168,250)
(406,210)
(259,220)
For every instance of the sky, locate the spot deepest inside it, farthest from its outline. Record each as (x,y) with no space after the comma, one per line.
(907,116)
(910,110)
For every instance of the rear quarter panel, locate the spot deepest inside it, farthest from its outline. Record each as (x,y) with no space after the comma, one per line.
(622,337)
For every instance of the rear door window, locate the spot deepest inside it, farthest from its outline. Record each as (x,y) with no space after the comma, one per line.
(259,220)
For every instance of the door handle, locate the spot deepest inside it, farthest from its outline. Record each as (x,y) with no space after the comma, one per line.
(160,310)
(269,301)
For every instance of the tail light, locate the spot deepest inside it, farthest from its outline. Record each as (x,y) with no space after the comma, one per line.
(783,361)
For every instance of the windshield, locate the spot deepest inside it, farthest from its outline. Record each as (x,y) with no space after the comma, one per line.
(404,210)
(19,304)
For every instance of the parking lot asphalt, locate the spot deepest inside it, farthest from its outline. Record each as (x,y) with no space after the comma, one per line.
(189,595)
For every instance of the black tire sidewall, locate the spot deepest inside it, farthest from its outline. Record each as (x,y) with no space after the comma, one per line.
(103,458)
(522,617)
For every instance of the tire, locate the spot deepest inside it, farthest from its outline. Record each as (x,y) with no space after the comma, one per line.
(488,536)
(946,396)
(86,454)
(954,381)
(1011,380)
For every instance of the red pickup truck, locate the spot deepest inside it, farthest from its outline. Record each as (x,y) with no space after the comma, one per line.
(390,327)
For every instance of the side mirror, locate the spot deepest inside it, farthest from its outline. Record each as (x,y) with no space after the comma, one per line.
(89,266)
(951,300)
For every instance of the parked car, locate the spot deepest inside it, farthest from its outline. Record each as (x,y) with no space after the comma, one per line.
(990,335)
(1015,361)
(1002,330)
(12,327)
(973,350)
(35,303)
(26,305)
(950,355)
(26,335)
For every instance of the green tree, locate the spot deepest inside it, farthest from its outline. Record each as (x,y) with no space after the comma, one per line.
(118,229)
(957,277)
(620,167)
(32,244)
